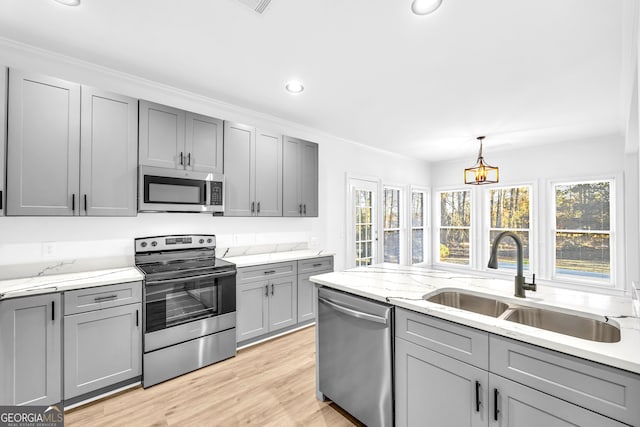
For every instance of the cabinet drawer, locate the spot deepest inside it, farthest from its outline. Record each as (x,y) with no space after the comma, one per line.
(316,265)
(267,271)
(603,389)
(451,339)
(100,297)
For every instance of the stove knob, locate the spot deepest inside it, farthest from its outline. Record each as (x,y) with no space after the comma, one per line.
(143,244)
(201,241)
(209,240)
(154,243)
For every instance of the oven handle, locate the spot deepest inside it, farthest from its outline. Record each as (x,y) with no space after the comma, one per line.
(182,279)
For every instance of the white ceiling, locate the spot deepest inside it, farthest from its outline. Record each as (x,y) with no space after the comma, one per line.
(522,72)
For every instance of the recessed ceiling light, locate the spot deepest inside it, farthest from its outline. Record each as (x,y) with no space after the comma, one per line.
(425,7)
(294,86)
(69,2)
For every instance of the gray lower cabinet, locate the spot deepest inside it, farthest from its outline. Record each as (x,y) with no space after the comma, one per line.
(102,337)
(3,133)
(253,171)
(266,299)
(306,295)
(300,177)
(101,348)
(444,377)
(30,351)
(86,148)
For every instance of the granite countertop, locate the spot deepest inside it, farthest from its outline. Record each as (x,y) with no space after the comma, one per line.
(28,286)
(404,286)
(268,258)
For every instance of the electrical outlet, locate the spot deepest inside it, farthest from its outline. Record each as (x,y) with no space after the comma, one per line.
(49,249)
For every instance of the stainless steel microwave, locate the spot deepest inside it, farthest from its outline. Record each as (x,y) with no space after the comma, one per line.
(169,190)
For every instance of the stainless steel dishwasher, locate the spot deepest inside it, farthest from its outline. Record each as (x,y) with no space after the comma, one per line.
(355,355)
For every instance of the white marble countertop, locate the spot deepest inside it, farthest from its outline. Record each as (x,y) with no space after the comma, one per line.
(259,259)
(405,286)
(12,288)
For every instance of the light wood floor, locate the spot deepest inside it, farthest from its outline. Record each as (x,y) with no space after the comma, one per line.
(270,384)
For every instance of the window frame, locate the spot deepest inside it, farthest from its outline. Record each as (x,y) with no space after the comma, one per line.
(485,214)
(402,224)
(352,182)
(616,207)
(426,224)
(437,213)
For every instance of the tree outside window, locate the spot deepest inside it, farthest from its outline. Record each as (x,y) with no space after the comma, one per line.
(391,225)
(455,227)
(583,230)
(510,211)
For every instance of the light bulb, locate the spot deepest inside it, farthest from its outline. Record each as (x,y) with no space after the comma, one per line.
(294,86)
(425,7)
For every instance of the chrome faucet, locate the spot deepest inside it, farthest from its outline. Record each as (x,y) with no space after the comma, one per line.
(520,284)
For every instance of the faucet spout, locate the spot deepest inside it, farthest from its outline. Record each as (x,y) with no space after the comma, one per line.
(520,284)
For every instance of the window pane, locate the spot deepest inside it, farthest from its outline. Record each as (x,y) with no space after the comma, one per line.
(509,207)
(583,206)
(417,246)
(363,227)
(583,254)
(392,246)
(417,209)
(391,208)
(454,246)
(507,249)
(455,208)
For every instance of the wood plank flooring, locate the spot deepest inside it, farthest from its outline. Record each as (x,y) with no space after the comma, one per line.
(270,384)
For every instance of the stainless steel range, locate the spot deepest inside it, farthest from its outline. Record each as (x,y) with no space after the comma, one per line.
(189,305)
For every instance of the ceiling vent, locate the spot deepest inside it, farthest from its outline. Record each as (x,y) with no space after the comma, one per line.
(257,5)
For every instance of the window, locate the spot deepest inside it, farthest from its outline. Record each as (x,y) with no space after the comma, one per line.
(364,203)
(583,230)
(455,227)
(418,225)
(391,222)
(510,210)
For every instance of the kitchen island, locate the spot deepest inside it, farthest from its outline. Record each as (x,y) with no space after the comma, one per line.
(568,368)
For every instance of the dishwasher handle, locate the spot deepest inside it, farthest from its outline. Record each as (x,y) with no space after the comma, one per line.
(354,313)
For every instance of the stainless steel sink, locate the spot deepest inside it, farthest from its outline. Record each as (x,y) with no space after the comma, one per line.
(567,324)
(470,302)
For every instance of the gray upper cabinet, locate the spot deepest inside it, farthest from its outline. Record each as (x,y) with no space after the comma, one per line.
(253,171)
(109,155)
(203,143)
(30,355)
(4,75)
(162,136)
(300,177)
(43,151)
(71,150)
(176,139)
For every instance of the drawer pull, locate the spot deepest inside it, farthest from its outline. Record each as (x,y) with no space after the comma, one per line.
(269,272)
(108,297)
(318,264)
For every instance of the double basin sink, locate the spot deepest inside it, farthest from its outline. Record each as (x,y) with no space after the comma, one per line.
(550,320)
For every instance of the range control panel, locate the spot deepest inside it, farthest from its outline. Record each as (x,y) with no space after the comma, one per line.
(165,243)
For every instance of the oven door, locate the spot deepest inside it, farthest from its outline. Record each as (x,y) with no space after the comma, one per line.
(177,310)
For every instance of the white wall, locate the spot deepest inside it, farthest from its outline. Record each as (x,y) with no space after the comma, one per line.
(29,245)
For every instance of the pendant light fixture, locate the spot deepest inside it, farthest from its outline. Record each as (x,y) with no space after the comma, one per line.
(425,7)
(481,173)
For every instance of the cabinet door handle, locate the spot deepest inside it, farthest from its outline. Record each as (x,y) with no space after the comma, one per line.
(253,205)
(495,404)
(305,208)
(85,202)
(137,321)
(108,297)
(300,209)
(53,311)
(266,290)
(73,202)
(189,159)
(477,396)
(258,208)
(272,287)
(181,158)
(1,199)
